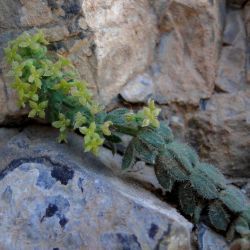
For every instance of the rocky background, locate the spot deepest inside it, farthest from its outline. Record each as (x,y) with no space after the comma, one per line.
(192,57)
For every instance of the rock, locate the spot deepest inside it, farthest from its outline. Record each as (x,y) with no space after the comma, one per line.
(138,90)
(247,23)
(54,197)
(237,3)
(221,132)
(186,57)
(9,15)
(231,75)
(125,38)
(231,72)
(35,13)
(56,33)
(235,32)
(209,240)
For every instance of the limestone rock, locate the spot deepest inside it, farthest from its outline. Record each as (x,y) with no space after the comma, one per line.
(53,197)
(125,37)
(247,24)
(209,240)
(35,13)
(221,132)
(186,57)
(231,74)
(138,90)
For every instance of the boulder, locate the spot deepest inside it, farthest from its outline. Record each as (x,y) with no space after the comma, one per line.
(231,75)
(220,132)
(125,37)
(55,197)
(188,49)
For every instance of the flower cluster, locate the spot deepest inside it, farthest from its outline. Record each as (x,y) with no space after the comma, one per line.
(146,117)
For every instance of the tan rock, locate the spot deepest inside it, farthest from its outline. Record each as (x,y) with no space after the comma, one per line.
(247,24)
(231,75)
(221,132)
(56,33)
(231,71)
(125,37)
(188,50)
(35,13)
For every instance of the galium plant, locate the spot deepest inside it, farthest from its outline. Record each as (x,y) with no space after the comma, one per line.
(51,87)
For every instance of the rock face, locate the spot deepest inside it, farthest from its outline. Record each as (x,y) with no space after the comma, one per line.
(54,197)
(188,55)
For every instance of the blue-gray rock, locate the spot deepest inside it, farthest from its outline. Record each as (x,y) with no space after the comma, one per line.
(54,197)
(209,240)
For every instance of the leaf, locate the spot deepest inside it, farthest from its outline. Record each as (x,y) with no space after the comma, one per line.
(144,152)
(233,198)
(204,187)
(241,226)
(246,214)
(185,154)
(113,138)
(166,162)
(197,212)
(164,179)
(117,116)
(165,132)
(213,174)
(187,199)
(151,138)
(129,157)
(218,216)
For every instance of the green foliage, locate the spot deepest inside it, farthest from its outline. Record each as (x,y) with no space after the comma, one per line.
(187,199)
(50,86)
(218,216)
(129,157)
(233,198)
(203,186)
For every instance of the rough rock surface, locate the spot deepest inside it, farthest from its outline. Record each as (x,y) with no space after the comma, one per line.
(184,53)
(55,197)
(215,132)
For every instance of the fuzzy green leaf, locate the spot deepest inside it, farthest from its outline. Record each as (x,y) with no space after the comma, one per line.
(204,187)
(165,132)
(185,154)
(129,157)
(144,152)
(218,216)
(233,198)
(117,116)
(151,138)
(172,167)
(187,199)
(164,179)
(241,226)
(246,214)
(213,174)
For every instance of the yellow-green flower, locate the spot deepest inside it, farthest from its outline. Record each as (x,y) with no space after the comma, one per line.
(38,109)
(22,89)
(80,120)
(150,115)
(11,53)
(80,90)
(92,140)
(62,124)
(17,69)
(105,128)
(64,86)
(35,76)
(62,137)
